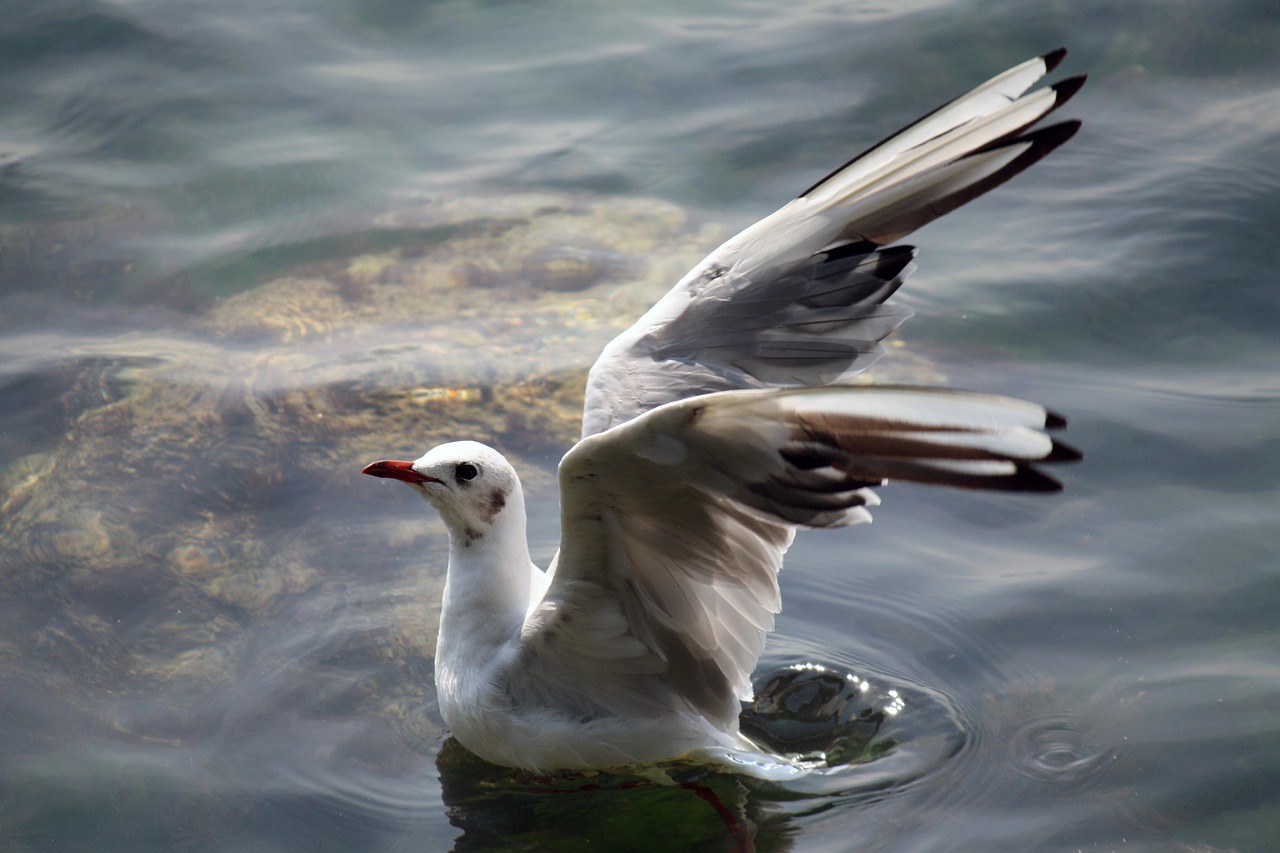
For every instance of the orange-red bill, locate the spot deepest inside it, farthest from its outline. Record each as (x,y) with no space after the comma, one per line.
(395,470)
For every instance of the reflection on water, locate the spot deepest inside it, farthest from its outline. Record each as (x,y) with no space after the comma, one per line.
(247,248)
(690,809)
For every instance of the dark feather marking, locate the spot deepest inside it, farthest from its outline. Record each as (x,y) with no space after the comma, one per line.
(888,445)
(871,450)
(1063,453)
(906,217)
(1053,59)
(1051,62)
(810,457)
(826,426)
(1023,479)
(497,500)
(823,480)
(805,499)
(1067,88)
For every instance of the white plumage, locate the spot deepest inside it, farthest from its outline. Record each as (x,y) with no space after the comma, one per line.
(711,432)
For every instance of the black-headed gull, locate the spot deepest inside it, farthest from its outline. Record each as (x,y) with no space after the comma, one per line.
(713,429)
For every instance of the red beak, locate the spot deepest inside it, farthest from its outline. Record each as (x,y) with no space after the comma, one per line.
(394,470)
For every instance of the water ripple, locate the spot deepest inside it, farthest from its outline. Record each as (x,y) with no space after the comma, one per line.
(1054,749)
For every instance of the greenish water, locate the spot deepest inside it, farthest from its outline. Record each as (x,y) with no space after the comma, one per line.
(215,636)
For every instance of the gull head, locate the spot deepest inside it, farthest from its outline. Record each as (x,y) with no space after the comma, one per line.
(470,485)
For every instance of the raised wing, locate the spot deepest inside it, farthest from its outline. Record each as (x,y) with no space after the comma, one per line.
(797,299)
(674,525)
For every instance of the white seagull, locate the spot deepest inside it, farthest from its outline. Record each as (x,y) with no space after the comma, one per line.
(713,430)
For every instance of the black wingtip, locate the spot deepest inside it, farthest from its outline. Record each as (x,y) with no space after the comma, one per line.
(1053,59)
(1065,89)
(902,251)
(1031,480)
(1063,453)
(1048,138)
(1024,479)
(1053,420)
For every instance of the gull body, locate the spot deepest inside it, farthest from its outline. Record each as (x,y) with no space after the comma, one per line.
(713,429)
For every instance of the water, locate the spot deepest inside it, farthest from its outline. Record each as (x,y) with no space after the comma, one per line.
(217,637)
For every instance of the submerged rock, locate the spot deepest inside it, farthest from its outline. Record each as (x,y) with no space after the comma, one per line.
(195,481)
(192,480)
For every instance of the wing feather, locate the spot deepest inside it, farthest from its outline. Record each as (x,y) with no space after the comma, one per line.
(796,299)
(674,524)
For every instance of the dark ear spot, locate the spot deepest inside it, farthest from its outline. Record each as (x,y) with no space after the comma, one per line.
(497,500)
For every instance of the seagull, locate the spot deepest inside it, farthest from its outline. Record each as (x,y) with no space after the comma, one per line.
(713,429)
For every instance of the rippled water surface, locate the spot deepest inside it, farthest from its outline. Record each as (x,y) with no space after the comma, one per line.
(246,248)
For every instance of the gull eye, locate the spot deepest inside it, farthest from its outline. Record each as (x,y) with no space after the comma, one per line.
(465,471)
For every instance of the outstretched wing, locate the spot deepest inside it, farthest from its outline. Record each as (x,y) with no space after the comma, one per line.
(674,525)
(798,298)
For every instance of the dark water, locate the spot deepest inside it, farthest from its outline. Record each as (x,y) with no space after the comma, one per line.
(214,636)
